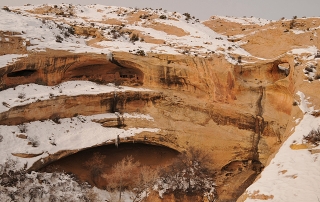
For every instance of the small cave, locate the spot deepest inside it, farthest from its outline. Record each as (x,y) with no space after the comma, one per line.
(278,71)
(22,73)
(106,73)
(77,164)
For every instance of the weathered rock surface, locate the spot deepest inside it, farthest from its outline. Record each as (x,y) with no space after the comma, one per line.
(240,113)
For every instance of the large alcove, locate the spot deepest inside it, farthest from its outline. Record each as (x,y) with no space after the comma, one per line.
(146,154)
(105,73)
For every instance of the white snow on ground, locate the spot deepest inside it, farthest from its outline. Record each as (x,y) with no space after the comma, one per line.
(32,92)
(42,34)
(71,134)
(10,58)
(245,20)
(310,49)
(295,31)
(293,175)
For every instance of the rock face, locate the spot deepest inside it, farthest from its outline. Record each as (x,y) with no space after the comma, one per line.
(238,112)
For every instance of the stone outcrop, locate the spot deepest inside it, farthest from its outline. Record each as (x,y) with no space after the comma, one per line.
(240,113)
(236,112)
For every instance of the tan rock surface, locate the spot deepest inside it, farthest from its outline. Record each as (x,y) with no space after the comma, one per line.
(240,113)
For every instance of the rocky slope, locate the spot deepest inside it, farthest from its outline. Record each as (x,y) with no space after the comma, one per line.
(226,85)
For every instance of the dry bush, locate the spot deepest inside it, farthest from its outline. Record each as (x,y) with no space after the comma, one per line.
(134,38)
(34,141)
(23,128)
(316,113)
(313,137)
(19,185)
(124,175)
(96,165)
(21,95)
(147,178)
(190,173)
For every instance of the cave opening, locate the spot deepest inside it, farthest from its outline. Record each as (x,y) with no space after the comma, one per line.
(106,73)
(24,73)
(83,164)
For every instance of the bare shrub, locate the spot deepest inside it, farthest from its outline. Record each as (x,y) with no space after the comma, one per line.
(1,138)
(6,8)
(147,178)
(191,172)
(124,175)
(19,185)
(134,38)
(23,128)
(292,24)
(141,53)
(96,166)
(21,95)
(59,39)
(163,17)
(34,141)
(313,137)
(5,104)
(188,16)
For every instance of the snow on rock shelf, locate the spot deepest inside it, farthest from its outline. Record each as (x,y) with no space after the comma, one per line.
(25,94)
(48,137)
(10,58)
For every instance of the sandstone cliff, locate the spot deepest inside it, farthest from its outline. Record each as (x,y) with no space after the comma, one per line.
(228,89)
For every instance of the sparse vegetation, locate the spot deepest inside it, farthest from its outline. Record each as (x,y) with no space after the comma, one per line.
(21,95)
(19,185)
(292,24)
(134,37)
(71,30)
(123,175)
(190,173)
(141,53)
(5,104)
(188,16)
(144,16)
(23,128)
(163,17)
(59,39)
(34,141)
(313,137)
(6,8)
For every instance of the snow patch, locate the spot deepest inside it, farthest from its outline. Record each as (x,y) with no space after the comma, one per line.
(293,175)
